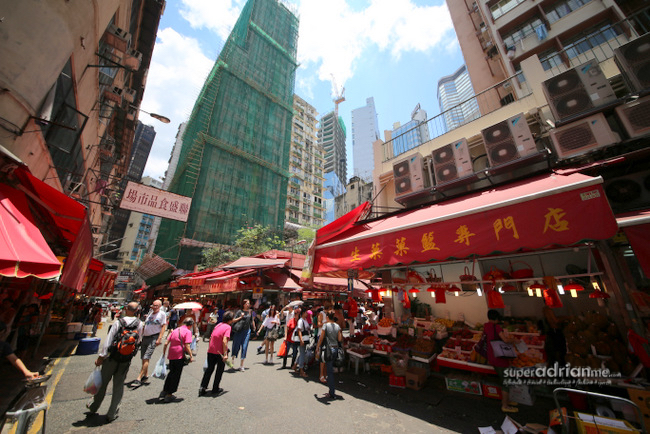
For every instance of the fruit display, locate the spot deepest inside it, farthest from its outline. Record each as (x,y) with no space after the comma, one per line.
(592,333)
(385,322)
(447,323)
(404,343)
(423,347)
(454,355)
(532,340)
(361,351)
(369,341)
(464,345)
(530,357)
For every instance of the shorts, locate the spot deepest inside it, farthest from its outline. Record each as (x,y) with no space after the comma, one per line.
(148,346)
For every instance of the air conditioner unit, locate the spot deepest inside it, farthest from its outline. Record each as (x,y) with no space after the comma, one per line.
(132,59)
(633,60)
(114,94)
(129,95)
(117,38)
(409,175)
(583,136)
(629,193)
(509,141)
(452,162)
(131,114)
(578,90)
(635,117)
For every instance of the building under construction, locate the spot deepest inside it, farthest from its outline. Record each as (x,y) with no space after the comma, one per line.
(235,155)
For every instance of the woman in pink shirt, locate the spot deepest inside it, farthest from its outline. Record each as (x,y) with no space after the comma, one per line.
(179,342)
(217,354)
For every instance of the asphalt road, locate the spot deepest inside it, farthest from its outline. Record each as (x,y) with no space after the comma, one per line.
(264,399)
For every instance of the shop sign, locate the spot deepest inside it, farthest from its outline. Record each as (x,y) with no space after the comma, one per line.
(228,285)
(153,201)
(257,292)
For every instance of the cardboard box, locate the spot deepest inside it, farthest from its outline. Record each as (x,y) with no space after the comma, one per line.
(642,399)
(591,424)
(491,391)
(395,381)
(521,394)
(464,385)
(415,378)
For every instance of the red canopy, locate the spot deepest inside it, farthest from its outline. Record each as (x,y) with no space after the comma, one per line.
(23,250)
(530,214)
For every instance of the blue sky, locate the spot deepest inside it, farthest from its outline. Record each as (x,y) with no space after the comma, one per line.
(392,50)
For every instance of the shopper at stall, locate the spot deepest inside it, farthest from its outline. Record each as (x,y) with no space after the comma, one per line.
(494,332)
(217,354)
(178,342)
(338,312)
(241,327)
(331,336)
(555,344)
(301,339)
(8,353)
(292,321)
(270,327)
(322,319)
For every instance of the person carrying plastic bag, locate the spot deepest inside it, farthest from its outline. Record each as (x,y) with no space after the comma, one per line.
(160,371)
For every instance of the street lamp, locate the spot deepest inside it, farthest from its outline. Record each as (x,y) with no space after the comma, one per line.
(161,118)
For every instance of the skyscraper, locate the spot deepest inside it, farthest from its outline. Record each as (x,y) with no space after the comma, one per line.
(365,132)
(305,202)
(455,96)
(331,136)
(235,152)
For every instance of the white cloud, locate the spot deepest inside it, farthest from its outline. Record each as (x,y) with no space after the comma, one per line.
(217,15)
(176,74)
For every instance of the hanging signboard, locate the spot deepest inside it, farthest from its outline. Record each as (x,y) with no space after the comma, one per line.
(153,201)
(257,292)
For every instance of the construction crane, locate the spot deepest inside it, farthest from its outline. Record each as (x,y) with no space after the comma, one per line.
(339,97)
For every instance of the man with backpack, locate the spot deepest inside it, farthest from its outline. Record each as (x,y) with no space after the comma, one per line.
(115,356)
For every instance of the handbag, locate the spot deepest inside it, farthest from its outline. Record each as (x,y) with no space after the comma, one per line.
(273,333)
(501,349)
(283,349)
(186,357)
(481,347)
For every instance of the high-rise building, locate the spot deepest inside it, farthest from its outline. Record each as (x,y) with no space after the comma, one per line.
(365,131)
(305,202)
(412,134)
(357,192)
(333,189)
(331,136)
(236,145)
(456,99)
(142,143)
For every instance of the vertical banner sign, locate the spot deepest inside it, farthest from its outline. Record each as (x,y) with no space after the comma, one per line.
(350,284)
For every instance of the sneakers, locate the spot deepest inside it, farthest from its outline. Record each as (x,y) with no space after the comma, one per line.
(144,379)
(241,369)
(217,392)
(88,405)
(202,391)
(169,398)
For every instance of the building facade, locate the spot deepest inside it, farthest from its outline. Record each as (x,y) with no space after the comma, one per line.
(305,202)
(456,99)
(331,136)
(236,146)
(365,131)
(72,92)
(357,191)
(412,134)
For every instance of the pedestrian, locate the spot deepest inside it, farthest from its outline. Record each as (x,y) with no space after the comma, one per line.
(265,313)
(178,342)
(301,338)
(493,331)
(212,322)
(270,327)
(322,319)
(115,364)
(8,353)
(331,336)
(173,319)
(292,321)
(217,354)
(242,326)
(155,325)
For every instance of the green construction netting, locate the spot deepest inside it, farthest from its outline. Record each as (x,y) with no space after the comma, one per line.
(235,155)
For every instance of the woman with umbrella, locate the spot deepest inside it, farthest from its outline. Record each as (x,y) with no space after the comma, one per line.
(241,327)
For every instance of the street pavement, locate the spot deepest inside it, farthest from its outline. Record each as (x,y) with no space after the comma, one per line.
(268,399)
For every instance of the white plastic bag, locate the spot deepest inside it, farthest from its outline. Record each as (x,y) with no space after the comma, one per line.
(94,381)
(205,365)
(194,345)
(160,371)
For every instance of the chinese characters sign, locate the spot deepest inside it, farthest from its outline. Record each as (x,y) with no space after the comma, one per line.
(150,200)
(502,221)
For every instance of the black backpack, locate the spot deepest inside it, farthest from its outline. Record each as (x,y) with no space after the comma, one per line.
(126,342)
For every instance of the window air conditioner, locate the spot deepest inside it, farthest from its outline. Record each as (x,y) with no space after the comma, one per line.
(129,95)
(452,162)
(633,60)
(578,90)
(635,117)
(509,141)
(629,193)
(581,137)
(117,38)
(409,176)
(132,59)
(114,94)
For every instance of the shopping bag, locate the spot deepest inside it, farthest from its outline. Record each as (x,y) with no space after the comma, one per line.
(94,381)
(503,350)
(283,349)
(494,299)
(205,365)
(551,298)
(160,371)
(194,345)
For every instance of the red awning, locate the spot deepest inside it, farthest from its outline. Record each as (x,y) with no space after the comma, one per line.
(283,281)
(23,250)
(66,214)
(228,275)
(530,214)
(248,262)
